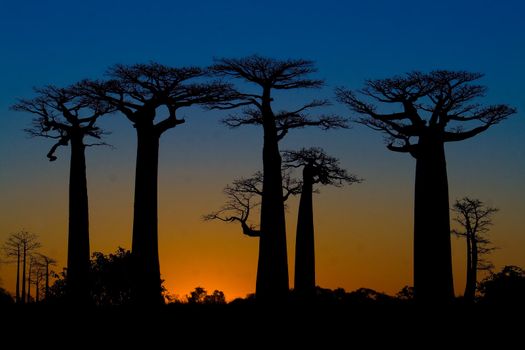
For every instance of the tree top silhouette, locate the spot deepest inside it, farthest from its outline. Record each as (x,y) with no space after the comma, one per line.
(138,90)
(63,113)
(439,102)
(324,168)
(270,73)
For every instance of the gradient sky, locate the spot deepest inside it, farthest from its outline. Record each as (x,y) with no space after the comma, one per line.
(363,232)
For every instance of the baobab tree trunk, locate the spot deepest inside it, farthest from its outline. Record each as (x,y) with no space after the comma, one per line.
(432,249)
(304,245)
(29,281)
(469,288)
(474,269)
(17,298)
(78,240)
(24,260)
(37,287)
(272,271)
(147,284)
(47,281)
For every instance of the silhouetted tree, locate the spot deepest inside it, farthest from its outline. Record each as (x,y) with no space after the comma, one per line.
(318,169)
(13,250)
(243,195)
(65,115)
(505,287)
(5,297)
(475,219)
(21,245)
(111,278)
(47,261)
(435,106)
(270,75)
(139,91)
(36,276)
(201,296)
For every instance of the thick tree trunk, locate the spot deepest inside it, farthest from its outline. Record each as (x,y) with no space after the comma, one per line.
(78,239)
(469,287)
(147,283)
(24,260)
(432,249)
(17,298)
(272,271)
(304,245)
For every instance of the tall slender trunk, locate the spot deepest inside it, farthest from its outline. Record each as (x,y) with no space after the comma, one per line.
(24,260)
(474,274)
(147,283)
(304,245)
(469,287)
(37,287)
(78,239)
(272,270)
(17,298)
(29,280)
(432,249)
(47,281)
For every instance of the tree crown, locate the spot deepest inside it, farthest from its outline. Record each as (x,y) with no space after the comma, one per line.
(440,103)
(323,168)
(63,113)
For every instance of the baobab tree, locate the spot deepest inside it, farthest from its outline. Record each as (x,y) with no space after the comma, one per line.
(139,92)
(68,117)
(243,195)
(270,75)
(475,219)
(46,262)
(318,169)
(21,245)
(436,108)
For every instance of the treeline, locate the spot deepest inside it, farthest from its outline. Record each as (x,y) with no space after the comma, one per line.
(430,109)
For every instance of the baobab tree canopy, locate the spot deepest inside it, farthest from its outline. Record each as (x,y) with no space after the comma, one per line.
(63,114)
(435,103)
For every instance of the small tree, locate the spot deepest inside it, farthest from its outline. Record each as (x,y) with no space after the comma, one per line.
(269,76)
(475,219)
(47,261)
(435,108)
(21,245)
(318,169)
(505,287)
(68,117)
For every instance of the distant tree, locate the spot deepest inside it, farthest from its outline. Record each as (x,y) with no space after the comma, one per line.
(5,297)
(36,276)
(21,245)
(12,249)
(139,92)
(47,261)
(475,219)
(272,75)
(505,287)
(435,109)
(406,293)
(318,169)
(65,115)
(201,296)
(243,195)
